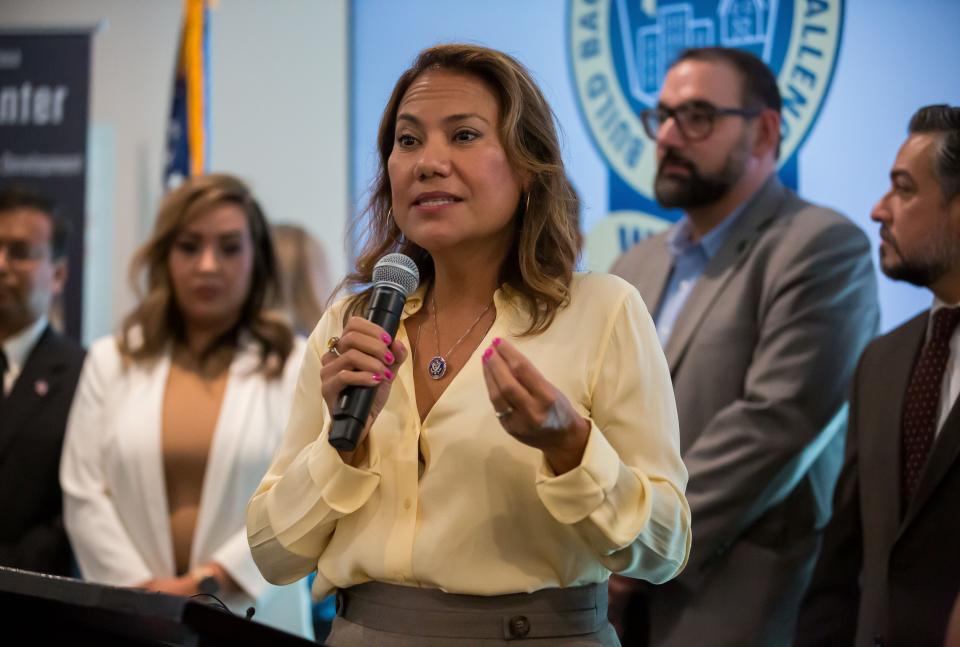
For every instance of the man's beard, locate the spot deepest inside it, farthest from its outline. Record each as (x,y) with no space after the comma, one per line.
(697,189)
(926,268)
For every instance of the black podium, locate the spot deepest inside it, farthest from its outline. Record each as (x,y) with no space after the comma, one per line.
(48,610)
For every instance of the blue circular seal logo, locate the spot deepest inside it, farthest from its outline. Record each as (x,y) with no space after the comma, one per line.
(620,51)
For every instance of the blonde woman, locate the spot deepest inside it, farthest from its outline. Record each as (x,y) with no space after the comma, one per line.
(176,418)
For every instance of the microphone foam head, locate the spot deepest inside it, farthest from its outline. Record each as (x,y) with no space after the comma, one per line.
(397,271)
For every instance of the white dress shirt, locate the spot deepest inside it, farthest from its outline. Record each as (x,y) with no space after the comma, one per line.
(18,348)
(951,374)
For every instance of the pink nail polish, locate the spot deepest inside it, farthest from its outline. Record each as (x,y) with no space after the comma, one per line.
(386,338)
(388,373)
(486,355)
(497,341)
(377,377)
(388,358)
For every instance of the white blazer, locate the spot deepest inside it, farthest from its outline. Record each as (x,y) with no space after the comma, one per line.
(114,494)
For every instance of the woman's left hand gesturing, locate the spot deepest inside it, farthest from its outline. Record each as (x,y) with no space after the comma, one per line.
(533,410)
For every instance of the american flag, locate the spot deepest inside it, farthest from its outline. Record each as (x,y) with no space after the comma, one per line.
(188,132)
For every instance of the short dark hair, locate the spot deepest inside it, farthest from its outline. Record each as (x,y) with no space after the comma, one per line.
(18,197)
(760,88)
(943,120)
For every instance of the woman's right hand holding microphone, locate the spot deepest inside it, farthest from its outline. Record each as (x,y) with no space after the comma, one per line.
(363,355)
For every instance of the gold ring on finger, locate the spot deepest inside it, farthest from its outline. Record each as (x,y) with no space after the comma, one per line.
(332,346)
(503,414)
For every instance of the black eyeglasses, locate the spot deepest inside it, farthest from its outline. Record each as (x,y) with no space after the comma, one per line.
(695,120)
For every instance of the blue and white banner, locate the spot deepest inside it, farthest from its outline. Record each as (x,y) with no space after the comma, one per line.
(619,53)
(851,74)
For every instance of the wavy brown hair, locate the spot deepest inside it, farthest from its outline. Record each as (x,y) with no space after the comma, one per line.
(547,239)
(157,320)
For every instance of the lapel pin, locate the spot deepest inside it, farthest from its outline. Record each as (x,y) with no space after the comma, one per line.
(41,387)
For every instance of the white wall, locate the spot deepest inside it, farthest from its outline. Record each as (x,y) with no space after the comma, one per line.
(279,119)
(280,110)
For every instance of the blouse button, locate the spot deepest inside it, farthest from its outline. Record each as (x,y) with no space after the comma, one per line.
(519,626)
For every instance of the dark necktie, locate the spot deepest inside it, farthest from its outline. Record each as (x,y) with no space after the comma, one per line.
(3,378)
(3,373)
(921,406)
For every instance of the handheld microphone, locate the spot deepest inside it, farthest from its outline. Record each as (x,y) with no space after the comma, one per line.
(395,277)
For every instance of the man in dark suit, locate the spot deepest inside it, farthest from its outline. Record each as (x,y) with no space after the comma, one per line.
(889,572)
(39,370)
(763,302)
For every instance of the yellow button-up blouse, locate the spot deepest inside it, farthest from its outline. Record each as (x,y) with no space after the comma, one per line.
(485,515)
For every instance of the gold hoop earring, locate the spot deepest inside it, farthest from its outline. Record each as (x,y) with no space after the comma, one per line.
(399,239)
(526,208)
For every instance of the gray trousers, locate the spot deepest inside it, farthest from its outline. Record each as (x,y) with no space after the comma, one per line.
(381,615)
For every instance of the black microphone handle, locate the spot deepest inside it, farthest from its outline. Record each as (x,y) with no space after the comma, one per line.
(354,402)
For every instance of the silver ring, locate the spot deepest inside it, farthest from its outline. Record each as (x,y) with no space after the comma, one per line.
(332,346)
(503,414)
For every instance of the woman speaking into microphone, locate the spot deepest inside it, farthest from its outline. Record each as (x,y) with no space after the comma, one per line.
(522,443)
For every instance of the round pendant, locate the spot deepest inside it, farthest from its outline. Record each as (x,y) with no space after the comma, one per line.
(437,367)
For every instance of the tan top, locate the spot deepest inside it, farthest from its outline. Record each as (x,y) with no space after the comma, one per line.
(455,503)
(191,405)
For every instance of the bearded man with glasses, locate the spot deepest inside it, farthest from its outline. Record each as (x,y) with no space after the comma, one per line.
(763,302)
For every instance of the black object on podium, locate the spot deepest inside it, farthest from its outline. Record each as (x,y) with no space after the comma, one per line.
(49,610)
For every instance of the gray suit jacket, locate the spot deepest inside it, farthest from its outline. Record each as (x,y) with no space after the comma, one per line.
(760,355)
(888,574)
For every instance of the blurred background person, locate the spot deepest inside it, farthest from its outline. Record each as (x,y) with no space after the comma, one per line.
(178,416)
(304,276)
(526,444)
(304,288)
(39,369)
